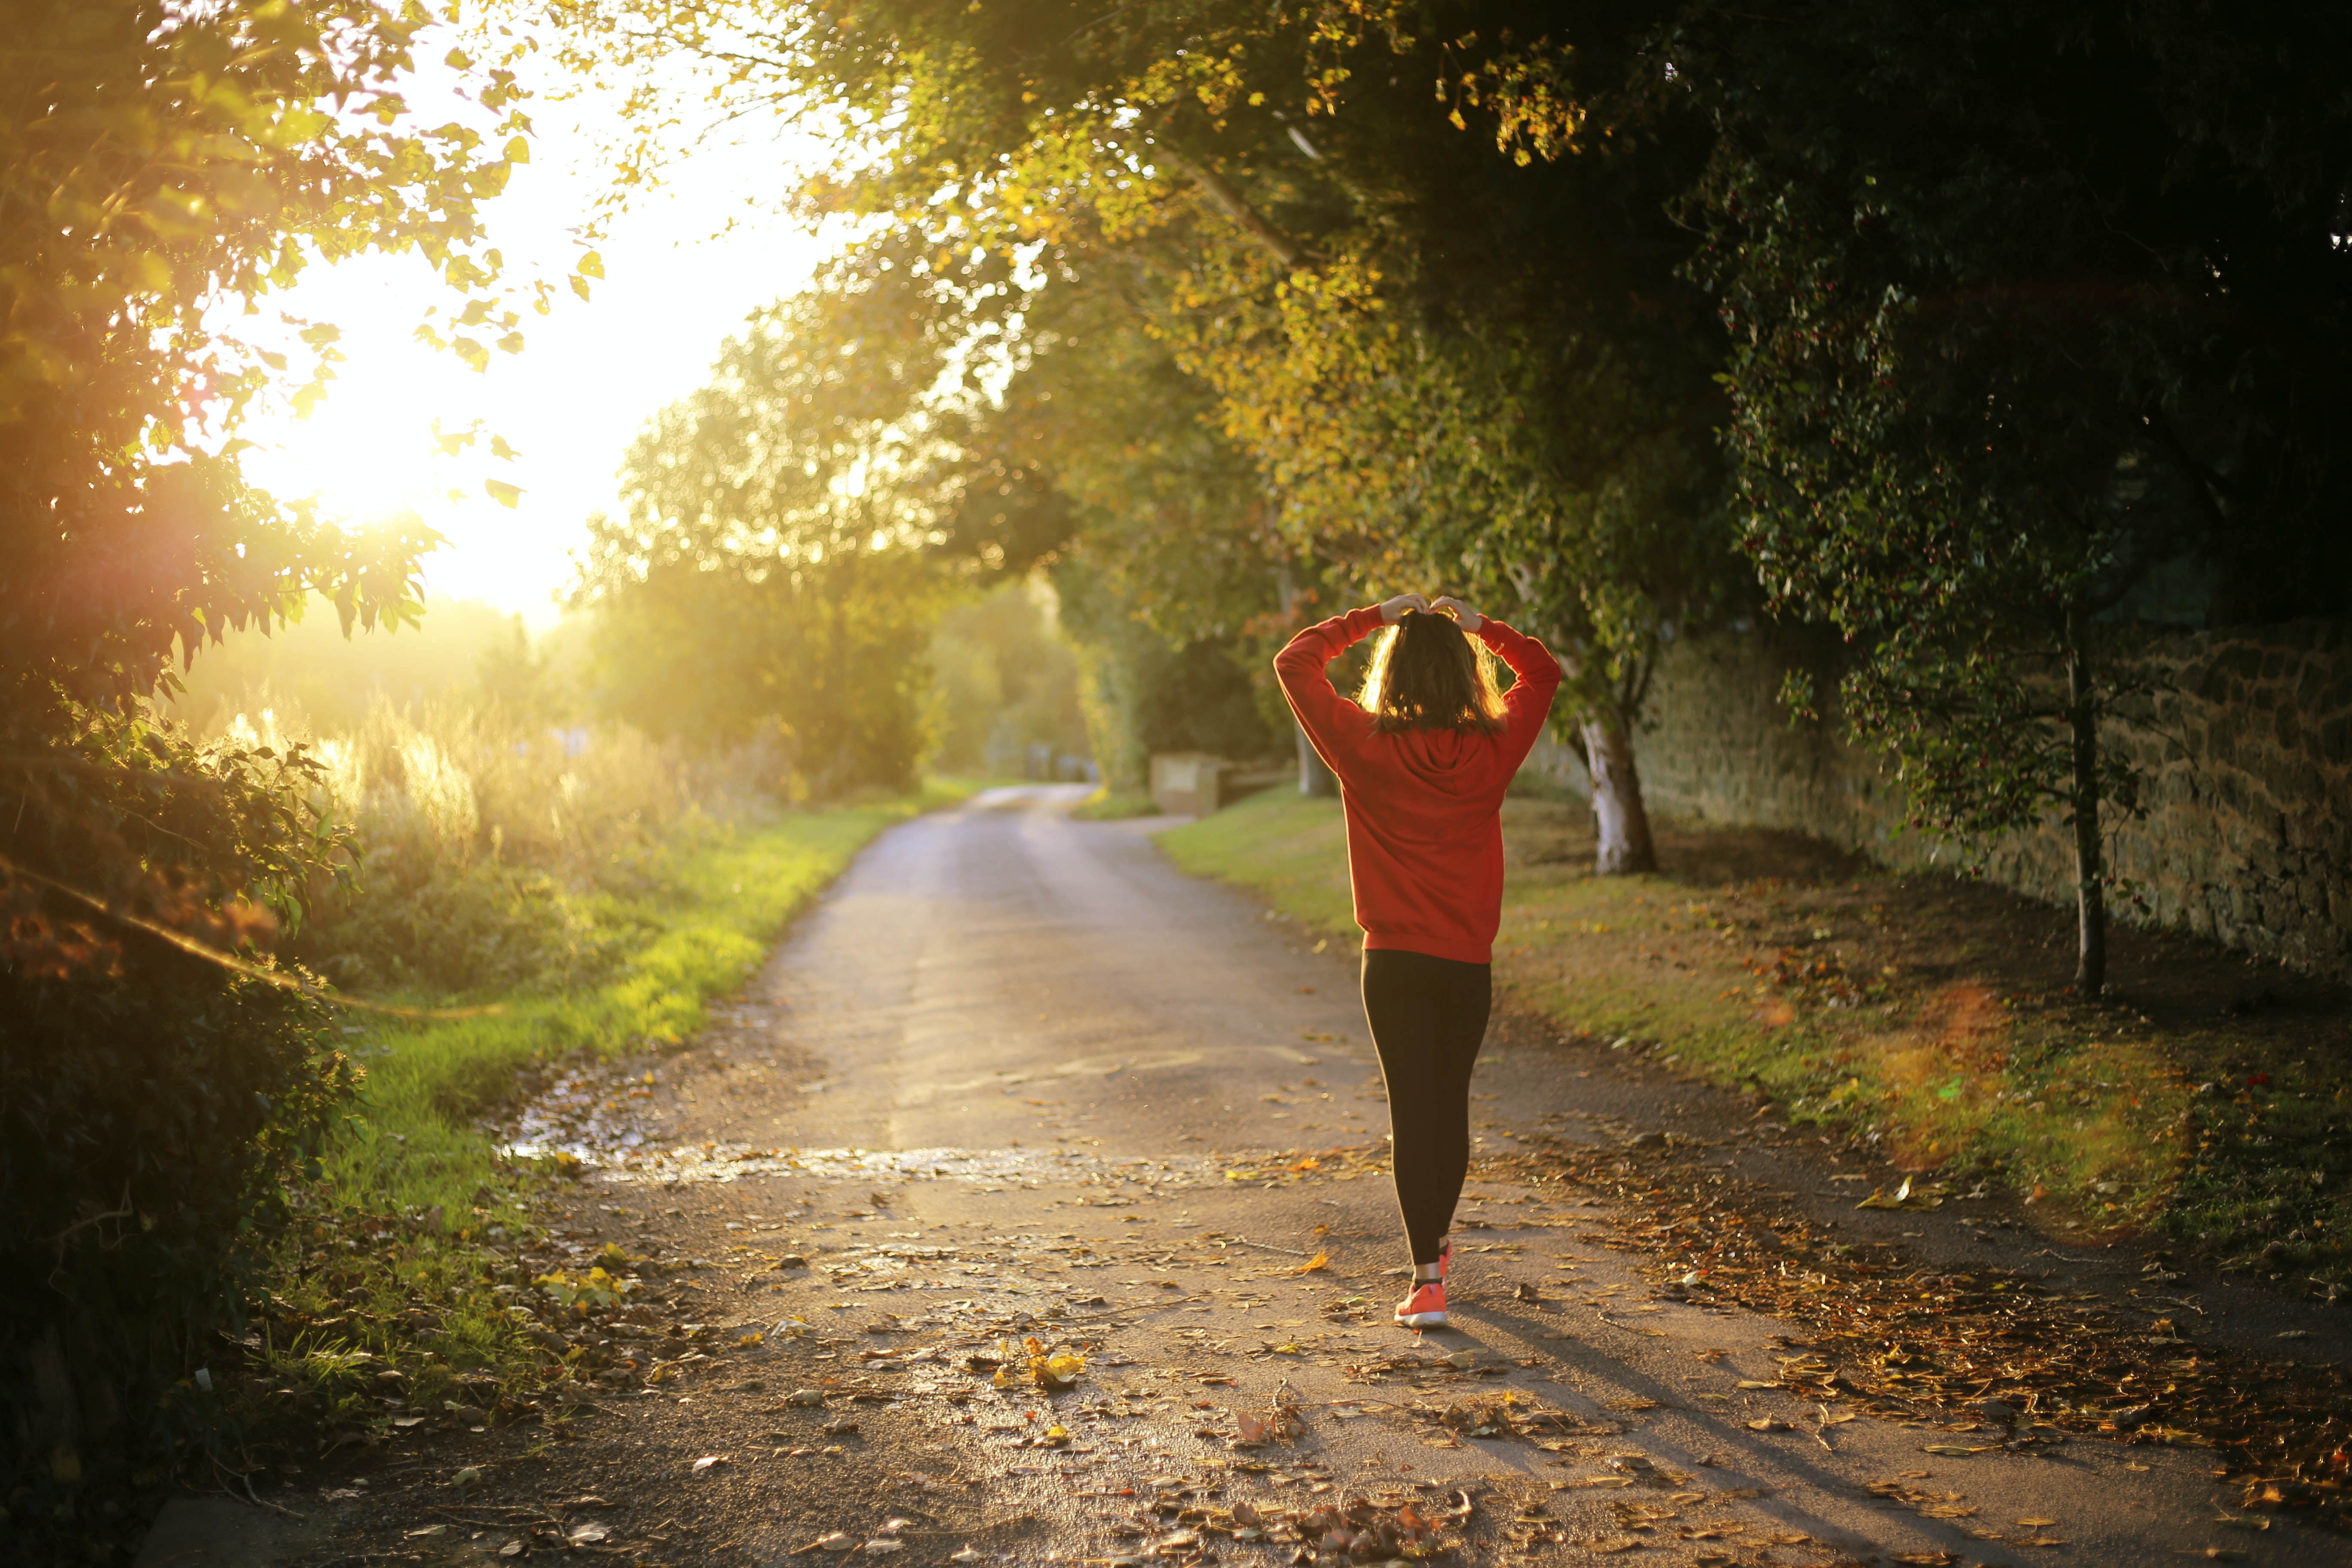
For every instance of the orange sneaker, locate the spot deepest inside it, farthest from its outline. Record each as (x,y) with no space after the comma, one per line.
(1425,1307)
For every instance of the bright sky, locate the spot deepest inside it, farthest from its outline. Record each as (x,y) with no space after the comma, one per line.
(675,287)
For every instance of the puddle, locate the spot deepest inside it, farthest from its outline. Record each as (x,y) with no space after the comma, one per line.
(724,1161)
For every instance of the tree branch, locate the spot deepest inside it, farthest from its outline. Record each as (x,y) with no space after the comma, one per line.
(1229,202)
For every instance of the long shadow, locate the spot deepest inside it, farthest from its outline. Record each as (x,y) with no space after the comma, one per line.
(1717,1435)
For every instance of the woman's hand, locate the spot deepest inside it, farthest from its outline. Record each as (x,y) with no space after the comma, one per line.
(1471,620)
(1392,610)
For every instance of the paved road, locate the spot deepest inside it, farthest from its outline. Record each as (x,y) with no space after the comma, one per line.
(975,961)
(992,1085)
(1003,973)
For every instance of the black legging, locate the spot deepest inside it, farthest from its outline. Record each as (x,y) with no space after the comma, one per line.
(1427,1016)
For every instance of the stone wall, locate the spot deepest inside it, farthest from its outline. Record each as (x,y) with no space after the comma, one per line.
(2245,743)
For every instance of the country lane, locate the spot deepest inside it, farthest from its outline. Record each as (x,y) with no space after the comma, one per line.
(1015,1077)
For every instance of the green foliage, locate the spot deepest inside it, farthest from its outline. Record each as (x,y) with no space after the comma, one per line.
(773,583)
(1144,693)
(1429,355)
(155,164)
(499,855)
(1004,679)
(163,171)
(2002,316)
(144,1132)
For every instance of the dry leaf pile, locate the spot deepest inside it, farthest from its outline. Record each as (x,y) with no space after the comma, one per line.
(2029,1360)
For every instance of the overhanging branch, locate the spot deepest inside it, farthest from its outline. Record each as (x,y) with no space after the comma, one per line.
(1231,201)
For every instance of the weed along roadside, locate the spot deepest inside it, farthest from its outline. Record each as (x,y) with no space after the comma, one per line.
(389,1311)
(2201,1105)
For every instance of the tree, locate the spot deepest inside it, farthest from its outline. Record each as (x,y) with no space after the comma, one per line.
(1172,577)
(2023,303)
(1452,357)
(160,167)
(773,580)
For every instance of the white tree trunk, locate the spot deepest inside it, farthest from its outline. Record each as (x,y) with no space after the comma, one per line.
(1315,778)
(1617,809)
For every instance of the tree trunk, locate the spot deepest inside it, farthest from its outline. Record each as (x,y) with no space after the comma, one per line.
(2090,895)
(1617,809)
(1315,778)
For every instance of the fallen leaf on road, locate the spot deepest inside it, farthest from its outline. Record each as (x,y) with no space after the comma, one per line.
(1320,1261)
(837,1541)
(588,1534)
(1770,1423)
(428,1529)
(709,1462)
(883,1548)
(1958,1450)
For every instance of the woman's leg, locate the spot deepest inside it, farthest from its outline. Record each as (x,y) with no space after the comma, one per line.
(1428,1017)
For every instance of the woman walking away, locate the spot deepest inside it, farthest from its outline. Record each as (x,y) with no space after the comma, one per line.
(1423,757)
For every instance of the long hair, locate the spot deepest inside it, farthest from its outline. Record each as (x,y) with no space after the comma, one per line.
(1427,674)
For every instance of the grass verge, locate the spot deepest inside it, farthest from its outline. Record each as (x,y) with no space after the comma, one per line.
(1103,807)
(396,1301)
(2203,1099)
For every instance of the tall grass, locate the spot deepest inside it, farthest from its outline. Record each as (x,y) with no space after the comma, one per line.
(496,855)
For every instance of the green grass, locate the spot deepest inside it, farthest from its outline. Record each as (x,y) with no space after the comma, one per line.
(1292,849)
(1105,806)
(1891,1010)
(395,1261)
(710,922)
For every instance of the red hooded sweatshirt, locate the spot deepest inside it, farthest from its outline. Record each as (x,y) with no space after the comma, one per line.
(1424,839)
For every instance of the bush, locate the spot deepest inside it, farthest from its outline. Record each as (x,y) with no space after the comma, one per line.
(146,1122)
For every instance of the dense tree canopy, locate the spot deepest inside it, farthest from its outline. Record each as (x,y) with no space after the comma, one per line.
(1455,355)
